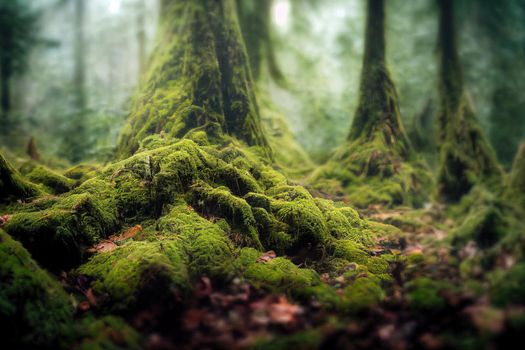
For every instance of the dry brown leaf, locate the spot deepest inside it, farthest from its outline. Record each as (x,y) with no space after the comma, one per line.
(103,247)
(282,312)
(269,255)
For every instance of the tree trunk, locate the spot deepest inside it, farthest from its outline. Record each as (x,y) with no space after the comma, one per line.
(255,20)
(199,76)
(141,36)
(5,100)
(378,109)
(466,156)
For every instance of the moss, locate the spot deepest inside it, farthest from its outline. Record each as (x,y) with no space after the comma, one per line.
(52,181)
(55,236)
(13,185)
(508,287)
(350,251)
(344,223)
(486,225)
(220,202)
(424,295)
(206,245)
(34,309)
(294,206)
(138,272)
(304,340)
(363,293)
(278,274)
(517,176)
(80,172)
(109,332)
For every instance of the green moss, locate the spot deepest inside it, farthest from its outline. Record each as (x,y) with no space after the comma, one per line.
(52,181)
(109,332)
(277,274)
(13,186)
(80,172)
(350,251)
(206,245)
(294,206)
(363,293)
(304,340)
(34,309)
(55,236)
(424,295)
(137,273)
(221,203)
(508,287)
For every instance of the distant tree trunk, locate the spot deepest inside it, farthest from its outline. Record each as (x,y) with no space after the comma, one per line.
(5,77)
(32,150)
(200,76)
(75,145)
(141,36)
(378,108)
(255,20)
(465,155)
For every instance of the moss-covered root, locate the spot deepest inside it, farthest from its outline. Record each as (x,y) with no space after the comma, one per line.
(199,75)
(13,185)
(52,181)
(517,175)
(33,307)
(56,230)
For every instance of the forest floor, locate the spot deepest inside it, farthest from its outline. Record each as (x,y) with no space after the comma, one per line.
(236,315)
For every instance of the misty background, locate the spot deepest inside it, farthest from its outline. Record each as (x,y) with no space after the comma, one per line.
(79,63)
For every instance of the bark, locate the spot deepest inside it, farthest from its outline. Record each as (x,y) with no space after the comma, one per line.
(199,76)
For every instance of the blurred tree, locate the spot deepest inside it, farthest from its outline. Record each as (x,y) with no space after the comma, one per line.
(502,26)
(466,156)
(255,20)
(378,109)
(18,24)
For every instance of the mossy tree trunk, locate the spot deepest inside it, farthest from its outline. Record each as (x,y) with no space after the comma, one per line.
(199,75)
(465,155)
(378,109)
(255,21)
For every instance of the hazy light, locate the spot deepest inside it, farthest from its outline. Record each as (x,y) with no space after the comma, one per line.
(281,13)
(114,6)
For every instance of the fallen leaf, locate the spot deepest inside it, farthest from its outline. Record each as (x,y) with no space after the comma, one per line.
(4,219)
(130,233)
(91,297)
(282,312)
(103,247)
(203,288)
(269,255)
(83,306)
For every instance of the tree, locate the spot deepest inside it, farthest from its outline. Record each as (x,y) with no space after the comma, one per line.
(76,142)
(378,114)
(255,21)
(377,164)
(199,76)
(466,157)
(17,36)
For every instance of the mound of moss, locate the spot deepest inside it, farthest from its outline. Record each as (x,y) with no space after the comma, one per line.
(13,186)
(34,309)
